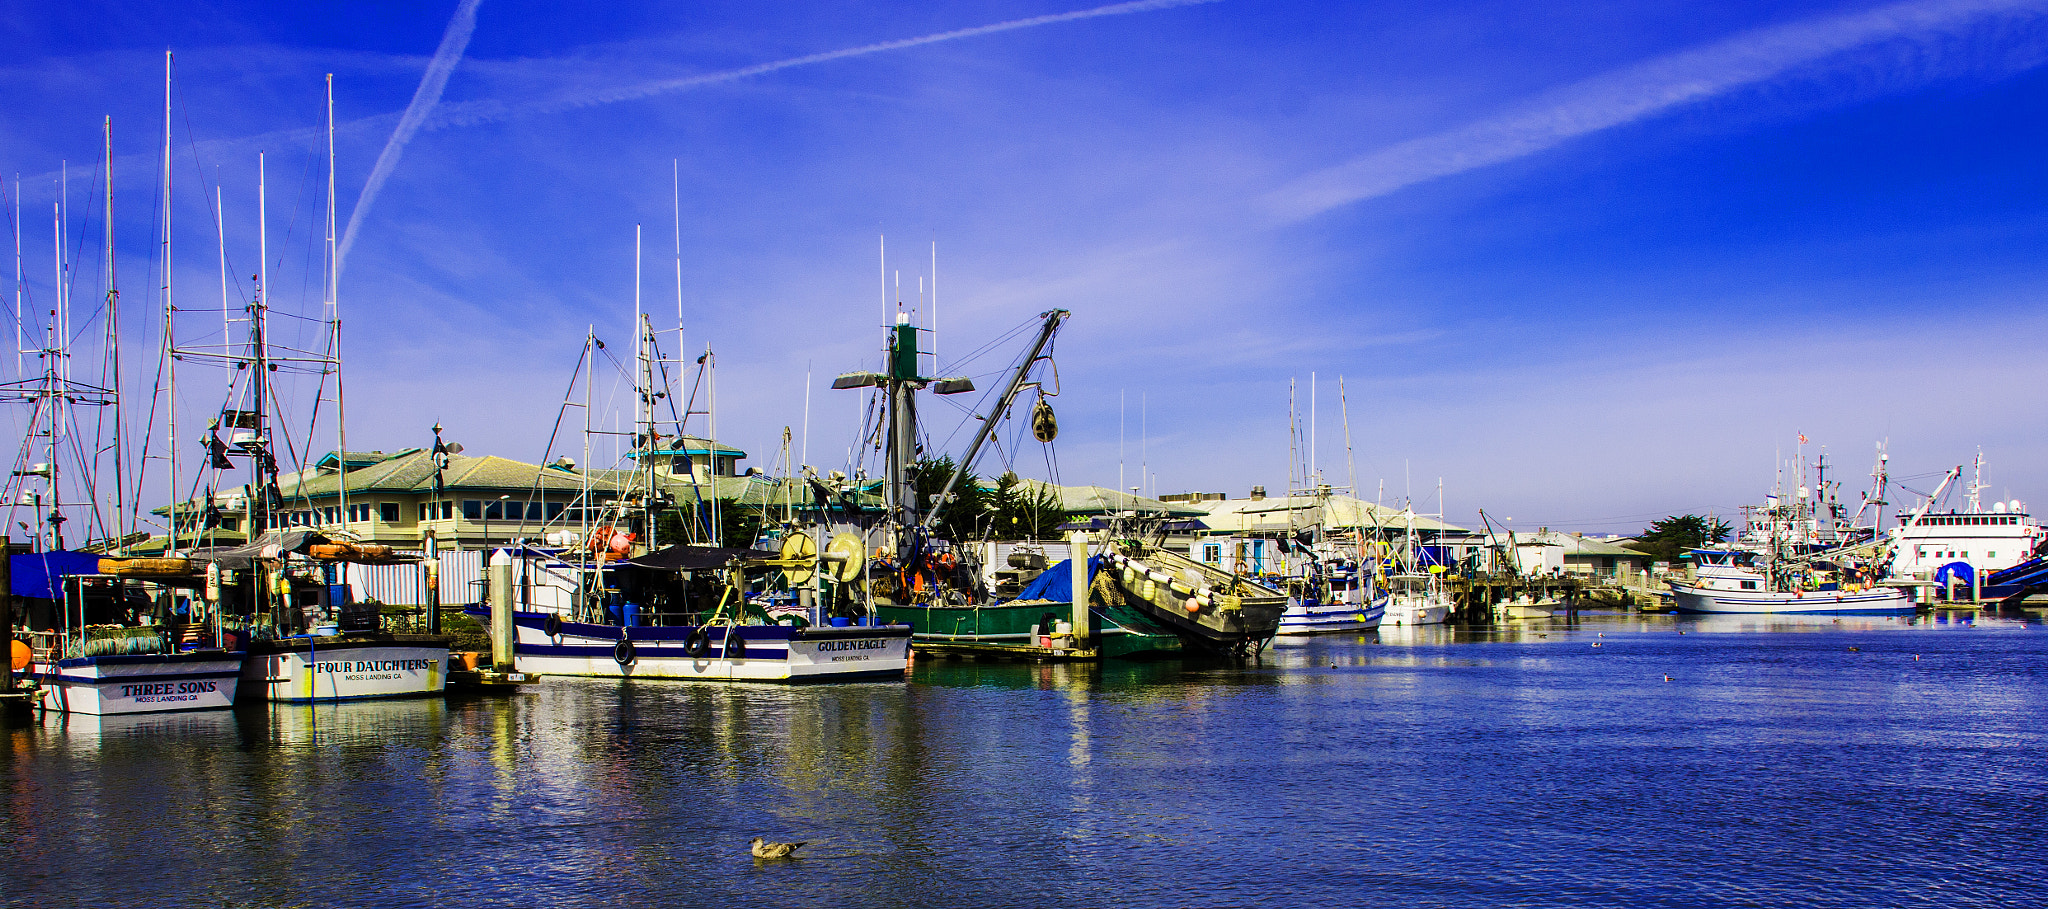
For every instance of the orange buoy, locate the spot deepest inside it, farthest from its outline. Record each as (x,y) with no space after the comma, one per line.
(22,655)
(1194,607)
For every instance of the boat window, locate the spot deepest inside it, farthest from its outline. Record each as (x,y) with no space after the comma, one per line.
(1749,585)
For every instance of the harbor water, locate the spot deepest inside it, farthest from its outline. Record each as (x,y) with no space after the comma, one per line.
(1865,762)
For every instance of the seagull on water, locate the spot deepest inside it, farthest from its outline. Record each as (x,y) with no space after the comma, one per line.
(767,850)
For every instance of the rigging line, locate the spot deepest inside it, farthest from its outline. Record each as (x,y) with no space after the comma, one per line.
(91,487)
(560,412)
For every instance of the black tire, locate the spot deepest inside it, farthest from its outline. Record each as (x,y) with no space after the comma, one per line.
(623,652)
(735,646)
(552,625)
(697,644)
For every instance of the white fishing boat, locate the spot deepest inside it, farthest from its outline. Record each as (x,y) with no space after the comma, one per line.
(1333,596)
(1416,599)
(1983,539)
(1800,553)
(677,613)
(97,645)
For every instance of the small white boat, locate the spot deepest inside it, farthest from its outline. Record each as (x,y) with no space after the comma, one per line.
(1306,615)
(1522,608)
(1416,600)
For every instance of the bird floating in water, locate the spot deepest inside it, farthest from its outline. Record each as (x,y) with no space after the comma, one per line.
(1596,643)
(1916,658)
(1855,650)
(1667,678)
(767,850)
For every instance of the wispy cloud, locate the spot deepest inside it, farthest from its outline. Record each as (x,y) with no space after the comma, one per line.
(453,42)
(1635,93)
(474,113)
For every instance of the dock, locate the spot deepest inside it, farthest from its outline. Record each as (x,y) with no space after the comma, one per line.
(1008,653)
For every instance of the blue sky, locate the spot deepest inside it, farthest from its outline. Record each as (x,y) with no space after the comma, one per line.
(1588,265)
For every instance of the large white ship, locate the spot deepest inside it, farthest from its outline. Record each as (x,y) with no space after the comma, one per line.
(1986,539)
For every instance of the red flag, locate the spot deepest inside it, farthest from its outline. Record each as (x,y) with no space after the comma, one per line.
(1802,438)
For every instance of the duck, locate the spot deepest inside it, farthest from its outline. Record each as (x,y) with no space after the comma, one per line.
(767,850)
(1667,678)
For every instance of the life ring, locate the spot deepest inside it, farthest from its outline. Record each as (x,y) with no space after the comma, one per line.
(945,561)
(735,646)
(1241,568)
(698,643)
(552,625)
(622,652)
(794,621)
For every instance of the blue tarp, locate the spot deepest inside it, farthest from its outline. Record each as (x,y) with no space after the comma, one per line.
(39,574)
(1057,583)
(1961,571)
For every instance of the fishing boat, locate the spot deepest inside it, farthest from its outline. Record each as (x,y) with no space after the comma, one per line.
(926,582)
(1797,555)
(682,612)
(625,595)
(98,644)
(1416,599)
(278,593)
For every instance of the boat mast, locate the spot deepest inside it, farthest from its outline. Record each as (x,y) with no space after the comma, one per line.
(906,334)
(170,363)
(333,293)
(121,524)
(260,503)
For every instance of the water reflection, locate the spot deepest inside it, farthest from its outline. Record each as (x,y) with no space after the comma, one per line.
(1544,770)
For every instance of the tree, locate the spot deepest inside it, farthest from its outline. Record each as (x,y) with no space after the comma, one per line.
(1021,512)
(960,517)
(1668,539)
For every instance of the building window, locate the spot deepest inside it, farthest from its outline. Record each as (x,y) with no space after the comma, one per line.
(359,511)
(472,509)
(533,511)
(554,510)
(430,511)
(388,511)
(494,511)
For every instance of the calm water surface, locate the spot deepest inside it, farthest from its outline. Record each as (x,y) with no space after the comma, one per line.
(1816,764)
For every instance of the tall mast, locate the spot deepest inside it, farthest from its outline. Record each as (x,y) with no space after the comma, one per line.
(333,289)
(170,363)
(260,383)
(121,523)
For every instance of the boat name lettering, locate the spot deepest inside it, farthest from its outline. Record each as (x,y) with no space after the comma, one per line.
(869,644)
(375,666)
(159,689)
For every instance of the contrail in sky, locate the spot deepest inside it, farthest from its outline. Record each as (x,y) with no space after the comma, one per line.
(480,112)
(474,113)
(1631,94)
(453,43)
